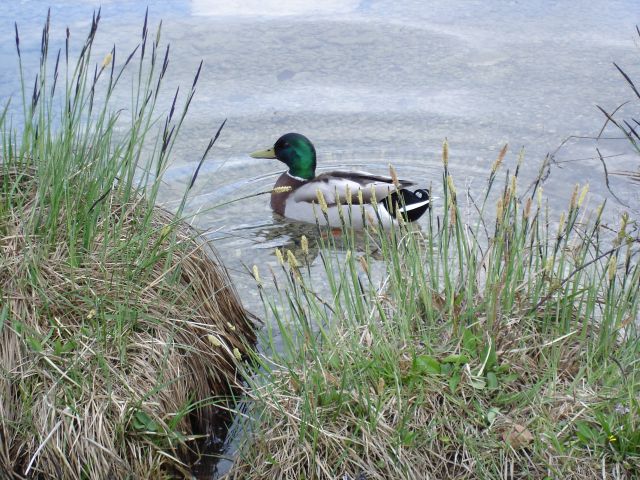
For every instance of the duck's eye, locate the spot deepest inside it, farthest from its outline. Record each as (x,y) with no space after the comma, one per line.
(286,145)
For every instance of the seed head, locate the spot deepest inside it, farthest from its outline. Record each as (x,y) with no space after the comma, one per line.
(107,60)
(322,201)
(279,256)
(281,189)
(583,195)
(445,153)
(539,195)
(613,265)
(527,208)
(499,210)
(574,197)
(498,162)
(304,244)
(450,184)
(292,260)
(394,176)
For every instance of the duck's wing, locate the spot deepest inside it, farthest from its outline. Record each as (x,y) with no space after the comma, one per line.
(337,186)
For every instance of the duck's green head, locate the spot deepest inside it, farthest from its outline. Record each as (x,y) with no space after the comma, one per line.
(296,151)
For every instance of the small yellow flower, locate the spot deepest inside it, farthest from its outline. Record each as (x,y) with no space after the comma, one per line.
(231,327)
(237,354)
(107,60)
(214,341)
(612,438)
(91,314)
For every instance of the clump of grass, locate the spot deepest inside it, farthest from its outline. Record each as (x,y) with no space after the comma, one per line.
(118,324)
(501,342)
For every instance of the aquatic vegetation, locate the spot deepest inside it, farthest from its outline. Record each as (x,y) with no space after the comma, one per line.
(499,341)
(118,324)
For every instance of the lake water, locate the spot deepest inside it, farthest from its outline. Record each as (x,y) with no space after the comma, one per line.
(371,83)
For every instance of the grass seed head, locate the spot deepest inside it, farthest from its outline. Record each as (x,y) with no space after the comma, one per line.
(292,260)
(583,195)
(498,161)
(279,256)
(107,60)
(321,200)
(445,153)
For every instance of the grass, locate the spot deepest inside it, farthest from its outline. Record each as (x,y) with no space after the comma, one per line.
(630,128)
(500,341)
(118,324)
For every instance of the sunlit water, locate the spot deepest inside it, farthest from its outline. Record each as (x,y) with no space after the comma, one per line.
(371,83)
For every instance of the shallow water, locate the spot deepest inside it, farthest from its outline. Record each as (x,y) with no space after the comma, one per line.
(371,83)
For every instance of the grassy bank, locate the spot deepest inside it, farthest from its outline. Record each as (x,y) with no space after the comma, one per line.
(118,324)
(500,342)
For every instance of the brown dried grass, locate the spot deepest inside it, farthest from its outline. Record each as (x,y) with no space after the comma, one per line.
(106,373)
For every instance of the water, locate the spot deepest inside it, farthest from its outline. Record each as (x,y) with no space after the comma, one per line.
(371,83)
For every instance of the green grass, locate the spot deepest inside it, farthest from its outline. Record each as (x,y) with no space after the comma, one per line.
(107,364)
(500,341)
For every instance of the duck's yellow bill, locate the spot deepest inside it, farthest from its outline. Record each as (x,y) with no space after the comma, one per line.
(268,153)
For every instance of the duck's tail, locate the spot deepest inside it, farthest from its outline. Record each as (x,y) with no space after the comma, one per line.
(411,205)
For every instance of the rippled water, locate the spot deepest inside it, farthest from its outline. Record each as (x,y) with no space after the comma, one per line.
(371,83)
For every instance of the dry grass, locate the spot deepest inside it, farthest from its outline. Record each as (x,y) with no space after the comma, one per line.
(106,366)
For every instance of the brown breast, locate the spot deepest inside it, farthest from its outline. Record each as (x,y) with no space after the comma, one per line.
(278,200)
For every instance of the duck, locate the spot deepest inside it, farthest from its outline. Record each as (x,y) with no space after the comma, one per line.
(338,197)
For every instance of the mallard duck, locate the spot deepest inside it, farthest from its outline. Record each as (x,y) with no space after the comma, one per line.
(379,194)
